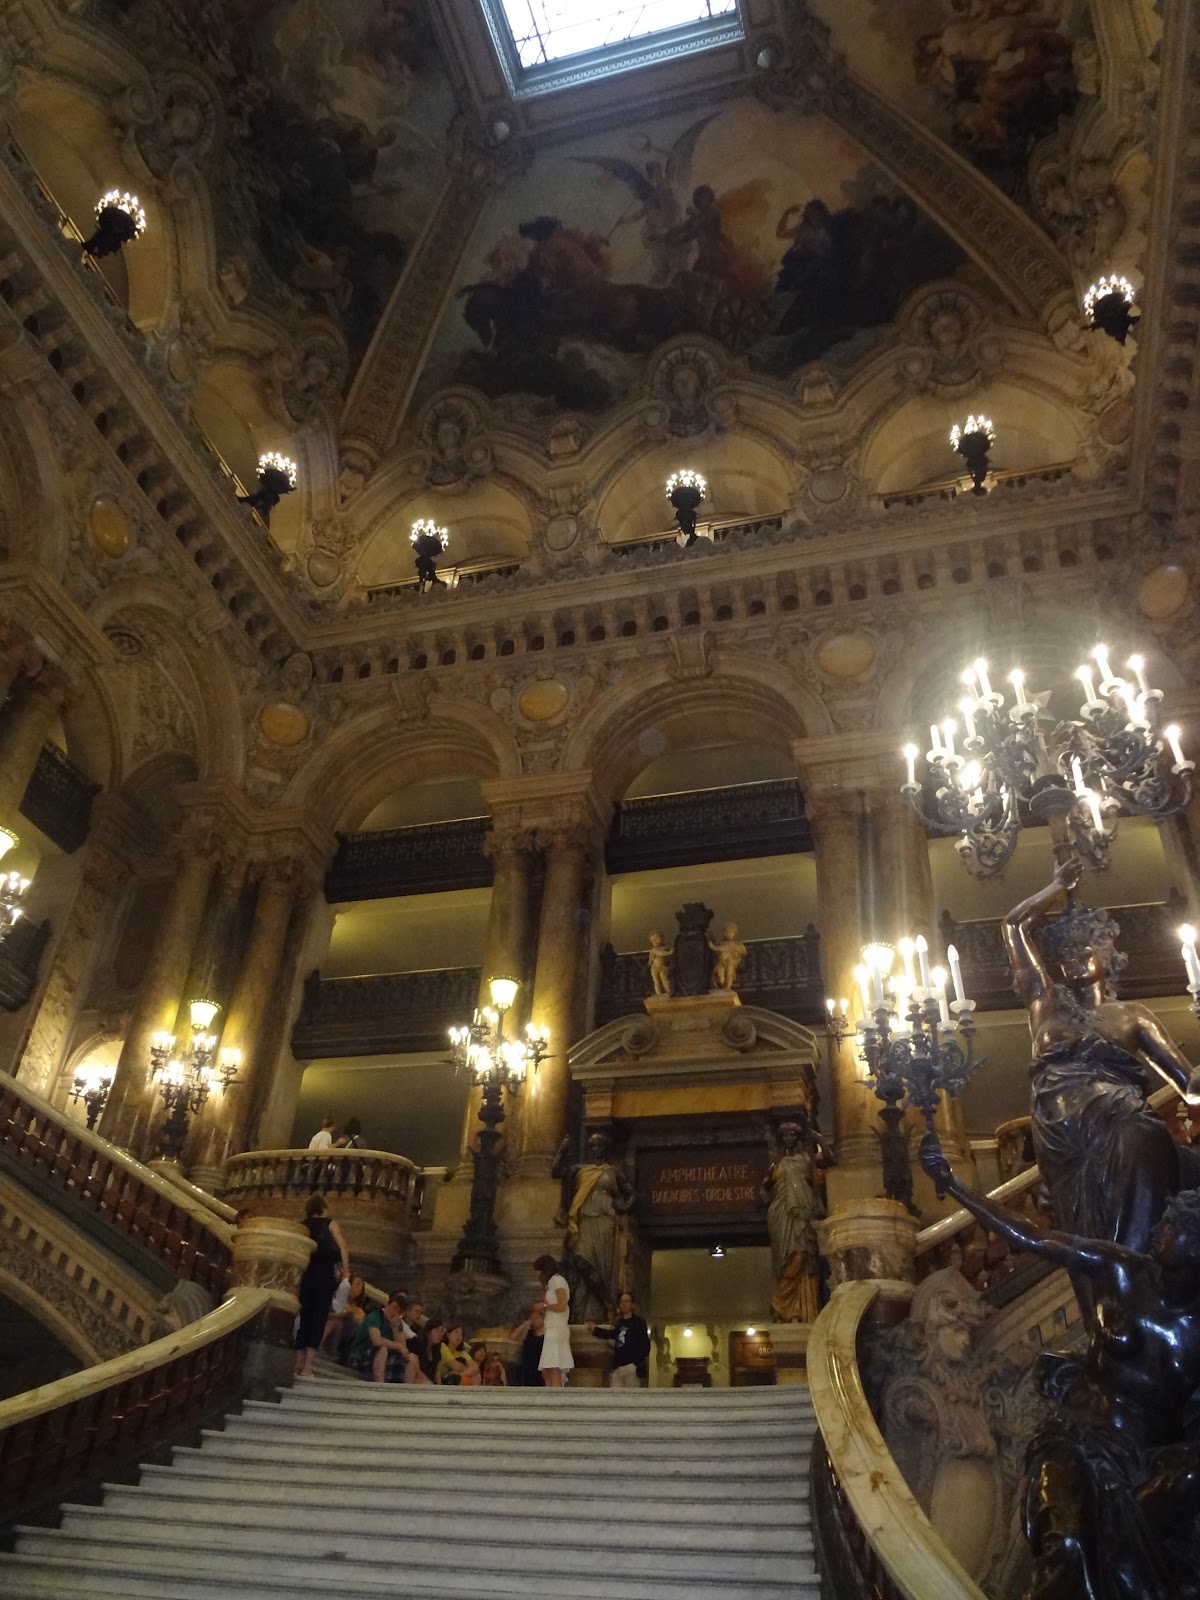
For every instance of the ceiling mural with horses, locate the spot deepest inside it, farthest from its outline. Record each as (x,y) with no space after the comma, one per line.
(769,232)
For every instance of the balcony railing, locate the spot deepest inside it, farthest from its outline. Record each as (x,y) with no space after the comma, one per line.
(443,855)
(377,1177)
(41,1141)
(394,1012)
(779,974)
(1147,936)
(731,824)
(58,799)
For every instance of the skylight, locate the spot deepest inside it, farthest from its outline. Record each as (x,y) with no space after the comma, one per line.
(549,30)
(544,45)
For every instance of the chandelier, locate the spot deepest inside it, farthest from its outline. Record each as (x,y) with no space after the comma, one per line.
(277,476)
(685,490)
(187,1078)
(13,887)
(428,541)
(1109,306)
(119,219)
(91,1084)
(973,439)
(1078,776)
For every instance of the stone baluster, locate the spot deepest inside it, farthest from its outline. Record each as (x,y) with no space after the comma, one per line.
(129,1113)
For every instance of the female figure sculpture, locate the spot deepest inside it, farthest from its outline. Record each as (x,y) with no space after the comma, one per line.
(595,1230)
(793,1207)
(1109,1162)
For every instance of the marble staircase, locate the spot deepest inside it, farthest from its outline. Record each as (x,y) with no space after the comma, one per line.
(458,1494)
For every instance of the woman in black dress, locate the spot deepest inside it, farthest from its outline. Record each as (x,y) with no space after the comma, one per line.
(318,1282)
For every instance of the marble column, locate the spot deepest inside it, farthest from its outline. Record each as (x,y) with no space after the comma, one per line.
(130,1111)
(559,990)
(25,725)
(248,1026)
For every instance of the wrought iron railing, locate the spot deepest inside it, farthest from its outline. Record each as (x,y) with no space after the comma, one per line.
(779,974)
(395,1011)
(728,824)
(21,951)
(58,799)
(378,1176)
(441,855)
(85,1169)
(1147,935)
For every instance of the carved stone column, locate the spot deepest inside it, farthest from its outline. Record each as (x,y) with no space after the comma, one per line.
(128,1116)
(224,1120)
(25,725)
(559,990)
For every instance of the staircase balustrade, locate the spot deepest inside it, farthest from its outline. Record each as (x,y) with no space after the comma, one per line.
(377,1177)
(45,1143)
(65,1437)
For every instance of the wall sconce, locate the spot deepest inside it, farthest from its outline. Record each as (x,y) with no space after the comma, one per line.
(276,477)
(1109,306)
(13,886)
(973,441)
(91,1084)
(119,219)
(186,1081)
(685,490)
(428,541)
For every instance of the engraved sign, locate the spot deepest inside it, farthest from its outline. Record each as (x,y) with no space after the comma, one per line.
(706,1183)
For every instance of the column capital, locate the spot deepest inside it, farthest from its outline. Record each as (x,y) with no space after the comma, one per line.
(286,874)
(844,764)
(507,840)
(548,802)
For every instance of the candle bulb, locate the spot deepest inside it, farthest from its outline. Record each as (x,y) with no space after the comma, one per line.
(1190,959)
(1171,735)
(864,989)
(829,1007)
(1017,678)
(922,950)
(1137,665)
(877,985)
(939,986)
(844,1005)
(1089,689)
(960,994)
(1093,803)
(910,756)
(948,728)
(985,688)
(1100,657)
(907,947)
(935,736)
(968,678)
(1077,774)
(967,707)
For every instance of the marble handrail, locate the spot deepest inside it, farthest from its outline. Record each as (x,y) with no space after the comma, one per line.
(185,1233)
(915,1560)
(378,1176)
(54,1436)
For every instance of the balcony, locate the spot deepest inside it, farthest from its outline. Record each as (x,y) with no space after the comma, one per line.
(781,975)
(374,1196)
(443,855)
(731,824)
(1147,936)
(396,1012)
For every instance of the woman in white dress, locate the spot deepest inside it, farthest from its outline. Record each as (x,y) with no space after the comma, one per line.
(556,1359)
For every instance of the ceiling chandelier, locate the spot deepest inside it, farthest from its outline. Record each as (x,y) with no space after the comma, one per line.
(973,439)
(119,219)
(428,541)
(1078,776)
(1109,306)
(276,477)
(685,490)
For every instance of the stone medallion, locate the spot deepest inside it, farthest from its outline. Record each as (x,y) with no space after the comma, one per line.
(544,700)
(109,528)
(561,533)
(283,723)
(827,485)
(1162,592)
(323,569)
(846,655)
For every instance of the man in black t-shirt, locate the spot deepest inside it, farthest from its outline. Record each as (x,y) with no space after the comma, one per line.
(532,1334)
(631,1345)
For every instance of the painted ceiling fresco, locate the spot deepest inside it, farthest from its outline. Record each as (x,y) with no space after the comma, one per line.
(991,77)
(334,142)
(768,232)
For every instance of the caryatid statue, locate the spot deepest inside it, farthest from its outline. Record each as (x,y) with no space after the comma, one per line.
(794,1206)
(596,1230)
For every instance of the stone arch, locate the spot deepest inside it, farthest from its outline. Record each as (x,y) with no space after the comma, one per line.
(372,756)
(64,1328)
(656,709)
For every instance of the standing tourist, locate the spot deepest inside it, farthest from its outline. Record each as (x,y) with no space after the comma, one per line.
(631,1345)
(318,1282)
(556,1360)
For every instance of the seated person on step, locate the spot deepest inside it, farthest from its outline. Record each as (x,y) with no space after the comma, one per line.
(379,1349)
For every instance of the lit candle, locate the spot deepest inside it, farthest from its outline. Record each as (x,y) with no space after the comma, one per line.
(939,986)
(1089,689)
(1100,657)
(922,950)
(968,679)
(1135,706)
(910,756)
(1093,802)
(985,688)
(1017,678)
(1190,959)
(1077,774)
(906,948)
(967,707)
(1171,735)
(1137,665)
(844,1005)
(829,1007)
(864,988)
(948,728)
(960,993)
(876,984)
(935,735)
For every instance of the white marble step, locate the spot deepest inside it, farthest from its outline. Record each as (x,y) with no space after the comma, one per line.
(560,1500)
(253,1554)
(692,1402)
(44,1577)
(402,1529)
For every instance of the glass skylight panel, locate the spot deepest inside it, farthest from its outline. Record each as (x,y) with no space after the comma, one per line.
(550,30)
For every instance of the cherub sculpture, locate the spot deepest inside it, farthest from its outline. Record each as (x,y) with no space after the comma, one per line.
(659,958)
(729,953)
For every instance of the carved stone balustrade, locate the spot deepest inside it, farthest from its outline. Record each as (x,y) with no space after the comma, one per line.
(729,824)
(781,975)
(374,1196)
(58,799)
(441,855)
(1147,936)
(394,1012)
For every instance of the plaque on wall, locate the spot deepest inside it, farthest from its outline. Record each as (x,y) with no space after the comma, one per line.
(702,1185)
